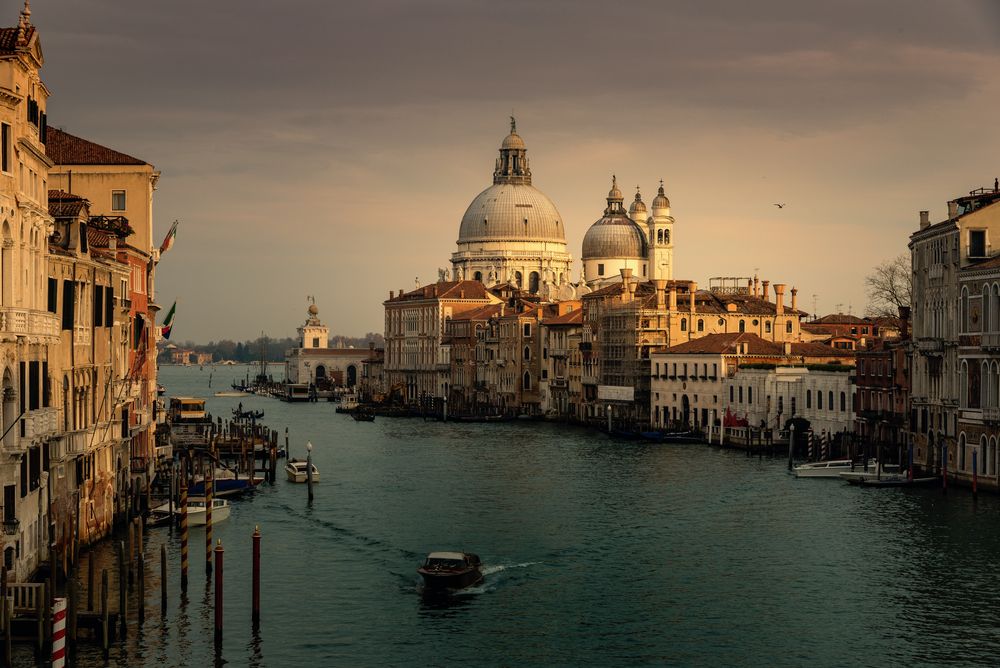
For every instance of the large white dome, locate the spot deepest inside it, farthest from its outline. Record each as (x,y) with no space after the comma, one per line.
(512,212)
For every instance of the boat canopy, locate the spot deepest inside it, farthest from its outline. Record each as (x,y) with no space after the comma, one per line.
(457,556)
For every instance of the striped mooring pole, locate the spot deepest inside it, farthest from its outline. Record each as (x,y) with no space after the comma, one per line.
(811,457)
(209,483)
(58,633)
(824,446)
(184,524)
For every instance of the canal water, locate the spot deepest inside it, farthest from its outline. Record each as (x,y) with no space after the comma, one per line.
(597,552)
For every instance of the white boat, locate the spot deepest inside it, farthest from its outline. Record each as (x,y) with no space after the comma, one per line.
(231,393)
(196,511)
(296,470)
(859,475)
(831,468)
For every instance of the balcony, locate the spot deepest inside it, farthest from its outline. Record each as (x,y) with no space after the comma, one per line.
(557,352)
(21,321)
(936,271)
(558,383)
(927,346)
(11,526)
(991,340)
(991,414)
(40,423)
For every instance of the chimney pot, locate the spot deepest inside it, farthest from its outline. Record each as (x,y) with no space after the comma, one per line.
(925,220)
(693,288)
(788,348)
(779,298)
(391,294)
(763,293)
(952,209)
(672,304)
(795,293)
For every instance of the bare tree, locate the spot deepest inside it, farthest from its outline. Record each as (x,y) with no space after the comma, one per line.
(889,286)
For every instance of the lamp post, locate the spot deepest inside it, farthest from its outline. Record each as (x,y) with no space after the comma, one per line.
(609,418)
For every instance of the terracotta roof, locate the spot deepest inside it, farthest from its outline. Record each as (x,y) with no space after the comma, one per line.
(66,149)
(991,263)
(444,290)
(840,319)
(8,39)
(571,318)
(723,344)
(481,313)
(98,238)
(65,205)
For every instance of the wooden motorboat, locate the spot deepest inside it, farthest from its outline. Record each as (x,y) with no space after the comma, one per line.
(296,471)
(451,571)
(196,511)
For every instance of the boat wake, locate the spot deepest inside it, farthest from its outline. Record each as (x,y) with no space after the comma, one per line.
(500,568)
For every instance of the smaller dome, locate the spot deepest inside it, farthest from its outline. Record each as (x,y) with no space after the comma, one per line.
(614,236)
(661,201)
(313,310)
(638,206)
(512,141)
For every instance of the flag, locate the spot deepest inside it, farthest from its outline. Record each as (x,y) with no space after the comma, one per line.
(168,241)
(168,324)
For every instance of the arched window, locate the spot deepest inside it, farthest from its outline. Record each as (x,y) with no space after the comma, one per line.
(829,404)
(749,394)
(701,325)
(819,400)
(684,324)
(518,279)
(533,282)
(767,326)
(527,381)
(527,353)
(731,394)
(843,402)
(666,236)
(659,236)
(743,325)
(792,400)
(964,316)
(478,276)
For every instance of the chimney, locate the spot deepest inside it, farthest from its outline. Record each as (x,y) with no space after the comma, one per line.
(401,292)
(925,220)
(661,286)
(626,274)
(795,300)
(672,304)
(952,210)
(779,298)
(763,292)
(391,294)
(693,287)
(631,290)
(750,286)
(756,287)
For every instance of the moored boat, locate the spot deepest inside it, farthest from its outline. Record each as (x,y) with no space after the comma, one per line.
(899,480)
(196,511)
(225,483)
(451,571)
(296,471)
(363,415)
(831,468)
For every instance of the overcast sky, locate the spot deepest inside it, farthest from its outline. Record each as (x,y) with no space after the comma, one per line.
(330,148)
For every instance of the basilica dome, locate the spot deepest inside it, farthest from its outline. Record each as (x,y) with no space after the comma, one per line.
(615,235)
(512,212)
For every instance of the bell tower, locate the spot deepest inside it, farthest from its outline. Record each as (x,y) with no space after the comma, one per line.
(661,238)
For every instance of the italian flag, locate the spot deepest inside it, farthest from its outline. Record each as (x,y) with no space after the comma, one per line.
(169,240)
(168,324)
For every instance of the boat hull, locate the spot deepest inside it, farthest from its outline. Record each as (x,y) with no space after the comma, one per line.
(224,487)
(437,581)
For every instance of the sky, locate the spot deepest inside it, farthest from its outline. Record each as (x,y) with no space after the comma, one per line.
(330,149)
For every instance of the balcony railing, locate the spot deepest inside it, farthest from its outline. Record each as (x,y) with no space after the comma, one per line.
(991,414)
(40,423)
(28,321)
(930,345)
(991,340)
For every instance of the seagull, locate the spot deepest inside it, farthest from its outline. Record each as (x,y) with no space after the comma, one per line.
(780,206)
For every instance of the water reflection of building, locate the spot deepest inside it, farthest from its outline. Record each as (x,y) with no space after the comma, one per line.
(316,363)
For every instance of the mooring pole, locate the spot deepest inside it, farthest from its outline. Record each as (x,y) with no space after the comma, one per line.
(255,616)
(791,444)
(944,468)
(209,477)
(163,580)
(218,591)
(309,469)
(122,586)
(91,566)
(105,630)
(141,567)
(184,525)
(975,475)
(58,633)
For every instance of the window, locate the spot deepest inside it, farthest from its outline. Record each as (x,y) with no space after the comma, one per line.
(741,394)
(819,399)
(527,353)
(743,325)
(684,324)
(527,330)
(701,325)
(809,402)
(749,394)
(5,138)
(977,243)
(117,200)
(767,326)
(730,394)
(315,342)
(600,270)
(829,404)
(527,380)
(788,327)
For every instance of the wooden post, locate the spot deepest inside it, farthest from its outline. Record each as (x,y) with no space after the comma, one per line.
(218,592)
(91,565)
(142,587)
(130,551)
(944,468)
(8,614)
(163,580)
(975,475)
(104,612)
(309,469)
(72,600)
(40,605)
(255,600)
(791,444)
(122,585)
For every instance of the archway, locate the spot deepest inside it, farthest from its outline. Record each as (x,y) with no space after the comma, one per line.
(352,375)
(685,410)
(533,282)
(320,373)
(9,409)
(478,276)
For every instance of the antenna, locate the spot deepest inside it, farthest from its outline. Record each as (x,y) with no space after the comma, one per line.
(814,305)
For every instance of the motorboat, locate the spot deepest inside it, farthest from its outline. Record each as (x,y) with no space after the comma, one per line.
(231,393)
(363,415)
(196,511)
(831,468)
(899,481)
(451,571)
(225,482)
(296,470)
(859,475)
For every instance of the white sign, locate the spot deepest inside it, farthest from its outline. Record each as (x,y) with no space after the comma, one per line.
(615,393)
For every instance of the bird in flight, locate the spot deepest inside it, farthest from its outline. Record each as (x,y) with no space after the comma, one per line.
(780,206)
